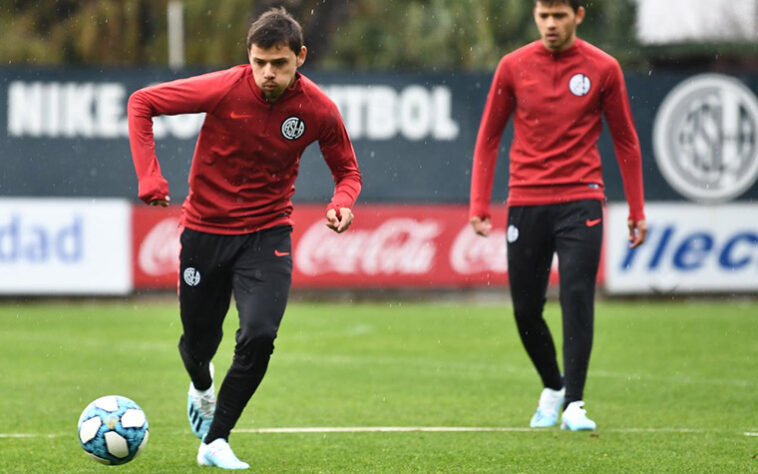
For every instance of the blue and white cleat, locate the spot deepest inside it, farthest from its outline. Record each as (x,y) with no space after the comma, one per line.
(575,418)
(549,405)
(218,453)
(200,408)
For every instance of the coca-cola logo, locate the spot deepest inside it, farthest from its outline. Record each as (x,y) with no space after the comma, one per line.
(472,253)
(398,246)
(159,251)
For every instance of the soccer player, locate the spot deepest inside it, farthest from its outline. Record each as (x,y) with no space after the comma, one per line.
(259,119)
(556,88)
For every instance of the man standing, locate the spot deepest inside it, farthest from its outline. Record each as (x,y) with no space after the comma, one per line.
(259,119)
(556,88)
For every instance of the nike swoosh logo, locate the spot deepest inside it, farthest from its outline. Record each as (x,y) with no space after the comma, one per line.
(235,115)
(528,83)
(592,222)
(280,254)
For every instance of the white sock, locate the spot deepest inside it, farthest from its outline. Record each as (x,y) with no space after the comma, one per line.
(201,393)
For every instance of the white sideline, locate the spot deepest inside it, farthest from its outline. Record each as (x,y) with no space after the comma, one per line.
(378,429)
(443,429)
(413,429)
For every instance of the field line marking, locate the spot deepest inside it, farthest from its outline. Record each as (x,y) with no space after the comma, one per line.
(443,429)
(413,429)
(380,429)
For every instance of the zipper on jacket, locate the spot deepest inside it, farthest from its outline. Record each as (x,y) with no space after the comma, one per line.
(268,119)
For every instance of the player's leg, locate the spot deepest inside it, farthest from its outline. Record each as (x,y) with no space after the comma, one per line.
(262,277)
(579,235)
(530,255)
(204,296)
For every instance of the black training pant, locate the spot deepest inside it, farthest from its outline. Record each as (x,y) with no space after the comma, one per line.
(257,269)
(574,231)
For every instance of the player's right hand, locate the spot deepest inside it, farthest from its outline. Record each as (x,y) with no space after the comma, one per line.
(339,224)
(481,226)
(161,202)
(637,233)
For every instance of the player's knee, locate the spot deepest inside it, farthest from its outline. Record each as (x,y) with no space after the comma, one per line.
(194,357)
(199,349)
(527,312)
(577,295)
(257,332)
(254,351)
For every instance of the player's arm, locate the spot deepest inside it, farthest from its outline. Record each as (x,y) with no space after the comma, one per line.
(618,114)
(340,157)
(497,110)
(191,95)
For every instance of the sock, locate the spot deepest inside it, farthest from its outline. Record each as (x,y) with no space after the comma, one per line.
(200,393)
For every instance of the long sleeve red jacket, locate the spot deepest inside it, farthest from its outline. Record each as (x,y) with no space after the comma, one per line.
(248,152)
(556,100)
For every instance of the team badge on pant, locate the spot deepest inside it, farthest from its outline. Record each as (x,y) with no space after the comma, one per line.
(512,234)
(191,276)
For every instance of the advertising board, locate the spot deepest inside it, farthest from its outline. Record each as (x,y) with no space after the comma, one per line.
(690,248)
(65,246)
(402,246)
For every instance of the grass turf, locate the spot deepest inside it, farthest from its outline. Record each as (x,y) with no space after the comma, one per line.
(672,386)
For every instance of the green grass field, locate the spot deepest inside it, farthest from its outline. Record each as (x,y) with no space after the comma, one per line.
(672,386)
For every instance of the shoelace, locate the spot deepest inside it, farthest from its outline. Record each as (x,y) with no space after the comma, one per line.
(548,404)
(206,405)
(581,411)
(223,450)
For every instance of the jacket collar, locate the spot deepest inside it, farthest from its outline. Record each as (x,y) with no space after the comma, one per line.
(568,52)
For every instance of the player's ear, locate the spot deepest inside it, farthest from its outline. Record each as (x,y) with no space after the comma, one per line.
(580,15)
(301,56)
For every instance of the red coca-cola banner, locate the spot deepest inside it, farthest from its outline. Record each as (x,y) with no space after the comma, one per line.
(398,246)
(155,246)
(388,246)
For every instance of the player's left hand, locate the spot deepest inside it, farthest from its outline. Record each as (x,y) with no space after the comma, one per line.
(637,233)
(161,202)
(341,224)
(482,226)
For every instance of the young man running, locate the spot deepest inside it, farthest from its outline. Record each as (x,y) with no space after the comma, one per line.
(259,119)
(557,88)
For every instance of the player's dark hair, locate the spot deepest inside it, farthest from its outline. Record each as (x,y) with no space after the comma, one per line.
(574,4)
(276,26)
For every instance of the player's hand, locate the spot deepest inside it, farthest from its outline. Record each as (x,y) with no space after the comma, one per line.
(637,233)
(341,224)
(161,202)
(481,226)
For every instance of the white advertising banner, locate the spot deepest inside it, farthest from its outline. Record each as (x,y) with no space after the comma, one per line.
(690,248)
(65,246)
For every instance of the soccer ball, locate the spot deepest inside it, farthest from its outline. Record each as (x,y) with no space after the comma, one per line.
(113,429)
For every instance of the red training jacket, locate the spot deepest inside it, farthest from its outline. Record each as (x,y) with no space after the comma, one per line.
(248,152)
(557,100)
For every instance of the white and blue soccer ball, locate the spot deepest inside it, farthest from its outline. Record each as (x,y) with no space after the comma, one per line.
(113,429)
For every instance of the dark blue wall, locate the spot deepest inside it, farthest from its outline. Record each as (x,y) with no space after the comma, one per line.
(398,169)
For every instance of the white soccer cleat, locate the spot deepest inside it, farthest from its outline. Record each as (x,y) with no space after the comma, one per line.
(548,408)
(218,453)
(201,405)
(575,418)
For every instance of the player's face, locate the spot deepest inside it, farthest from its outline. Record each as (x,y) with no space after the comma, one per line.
(274,68)
(557,23)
